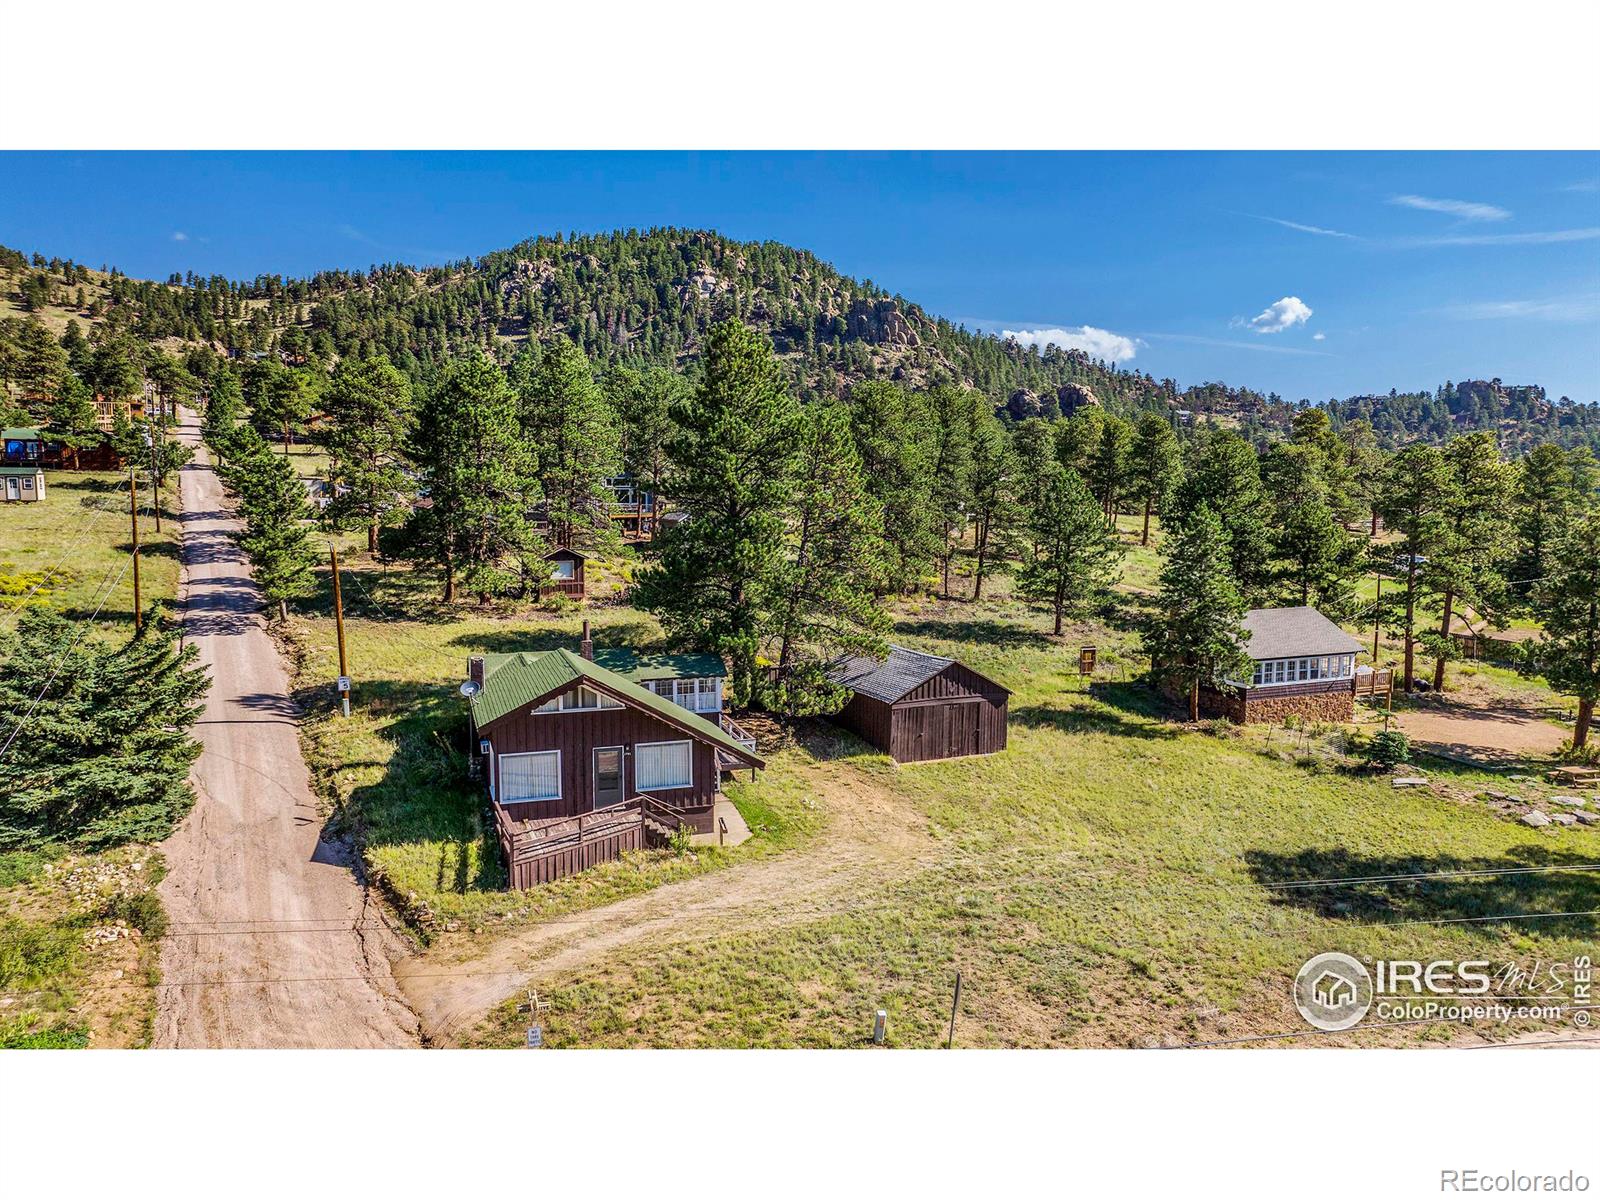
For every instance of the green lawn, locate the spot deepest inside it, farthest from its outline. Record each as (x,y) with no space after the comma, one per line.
(75,543)
(1108,880)
(69,982)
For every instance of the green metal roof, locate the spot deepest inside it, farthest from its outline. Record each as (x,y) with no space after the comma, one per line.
(631,664)
(21,470)
(21,433)
(511,681)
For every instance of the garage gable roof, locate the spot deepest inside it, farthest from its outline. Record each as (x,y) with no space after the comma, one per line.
(901,672)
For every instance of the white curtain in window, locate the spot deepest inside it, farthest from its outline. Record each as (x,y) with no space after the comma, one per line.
(661,765)
(525,777)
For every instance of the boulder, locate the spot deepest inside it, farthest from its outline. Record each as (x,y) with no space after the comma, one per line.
(1074,396)
(1567,819)
(1408,781)
(1587,818)
(1569,801)
(1535,819)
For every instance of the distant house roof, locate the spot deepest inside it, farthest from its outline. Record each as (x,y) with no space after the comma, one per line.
(566,552)
(21,433)
(511,681)
(901,672)
(635,665)
(1294,633)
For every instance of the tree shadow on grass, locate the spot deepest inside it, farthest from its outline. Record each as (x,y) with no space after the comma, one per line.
(1089,718)
(979,630)
(424,797)
(1341,885)
(637,635)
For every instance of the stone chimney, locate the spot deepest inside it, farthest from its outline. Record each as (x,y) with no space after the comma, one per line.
(475,668)
(586,647)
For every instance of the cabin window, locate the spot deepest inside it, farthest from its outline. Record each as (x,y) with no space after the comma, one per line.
(658,765)
(577,700)
(563,568)
(530,777)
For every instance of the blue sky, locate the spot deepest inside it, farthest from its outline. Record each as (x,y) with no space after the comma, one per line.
(1309,274)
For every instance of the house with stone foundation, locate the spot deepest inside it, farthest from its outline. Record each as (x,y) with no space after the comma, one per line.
(1304,665)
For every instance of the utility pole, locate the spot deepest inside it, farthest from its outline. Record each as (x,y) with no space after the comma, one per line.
(338,624)
(1377,620)
(133,517)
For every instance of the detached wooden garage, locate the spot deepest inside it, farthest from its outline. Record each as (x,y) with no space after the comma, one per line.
(919,707)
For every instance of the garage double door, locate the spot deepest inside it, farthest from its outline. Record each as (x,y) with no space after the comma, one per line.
(947,729)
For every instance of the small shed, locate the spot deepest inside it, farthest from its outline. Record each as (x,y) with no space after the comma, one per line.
(21,484)
(918,707)
(566,573)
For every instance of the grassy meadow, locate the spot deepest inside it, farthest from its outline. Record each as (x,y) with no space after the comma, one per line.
(1115,877)
(79,932)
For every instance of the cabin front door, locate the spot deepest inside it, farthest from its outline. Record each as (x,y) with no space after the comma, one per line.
(608,776)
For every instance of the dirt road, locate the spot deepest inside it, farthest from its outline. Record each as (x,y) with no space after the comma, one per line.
(274,942)
(872,834)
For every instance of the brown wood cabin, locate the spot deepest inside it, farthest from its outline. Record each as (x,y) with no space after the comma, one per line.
(566,573)
(583,762)
(1304,665)
(919,707)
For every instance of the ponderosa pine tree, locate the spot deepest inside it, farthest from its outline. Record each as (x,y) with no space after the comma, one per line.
(1468,564)
(894,436)
(1551,485)
(952,411)
(277,533)
(368,406)
(103,751)
(1568,603)
(1366,463)
(73,419)
(1075,553)
(480,474)
(1196,635)
(992,500)
(573,431)
(1109,472)
(733,471)
(1155,462)
(643,401)
(1221,473)
(821,598)
(1415,503)
(1316,560)
(222,426)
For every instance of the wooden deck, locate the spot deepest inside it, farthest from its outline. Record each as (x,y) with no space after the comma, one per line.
(727,763)
(543,851)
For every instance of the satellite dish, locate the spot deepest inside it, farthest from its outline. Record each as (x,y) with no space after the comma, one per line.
(471,688)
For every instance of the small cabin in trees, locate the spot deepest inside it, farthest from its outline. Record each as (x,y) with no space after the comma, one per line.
(1304,665)
(918,707)
(587,755)
(566,576)
(21,447)
(21,484)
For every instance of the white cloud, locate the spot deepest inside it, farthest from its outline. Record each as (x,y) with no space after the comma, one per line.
(1316,229)
(1466,210)
(1280,315)
(1096,343)
(180,236)
(1557,308)
(1544,238)
(1319,337)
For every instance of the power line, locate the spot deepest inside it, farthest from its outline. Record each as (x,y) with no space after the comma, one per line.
(83,528)
(83,626)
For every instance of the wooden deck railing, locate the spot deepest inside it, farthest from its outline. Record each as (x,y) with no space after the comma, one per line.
(547,852)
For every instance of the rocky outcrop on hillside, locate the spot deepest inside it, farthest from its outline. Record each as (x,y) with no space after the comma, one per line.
(880,322)
(1074,396)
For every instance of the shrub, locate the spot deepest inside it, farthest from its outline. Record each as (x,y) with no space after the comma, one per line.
(1221,727)
(143,911)
(1388,749)
(19,1034)
(679,840)
(31,954)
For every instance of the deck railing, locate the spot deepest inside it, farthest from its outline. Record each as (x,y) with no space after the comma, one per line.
(546,852)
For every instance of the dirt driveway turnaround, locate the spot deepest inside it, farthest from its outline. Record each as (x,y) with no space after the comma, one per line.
(273,941)
(1498,735)
(873,834)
